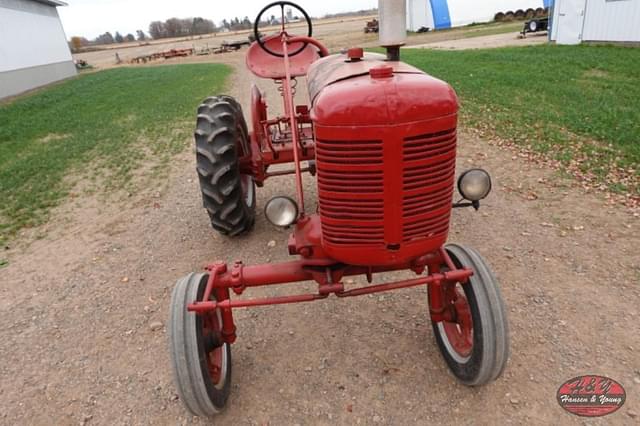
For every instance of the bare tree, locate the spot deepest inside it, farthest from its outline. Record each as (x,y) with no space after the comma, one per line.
(77,43)
(105,38)
(202,26)
(175,27)
(157,30)
(172,27)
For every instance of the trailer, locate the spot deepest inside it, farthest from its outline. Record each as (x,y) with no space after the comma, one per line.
(535,25)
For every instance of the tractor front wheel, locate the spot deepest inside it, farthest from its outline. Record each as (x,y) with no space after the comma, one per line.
(201,363)
(221,140)
(475,341)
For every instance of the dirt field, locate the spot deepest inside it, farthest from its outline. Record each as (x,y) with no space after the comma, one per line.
(80,341)
(335,34)
(497,40)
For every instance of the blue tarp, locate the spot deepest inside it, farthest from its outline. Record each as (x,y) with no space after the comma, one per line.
(441,17)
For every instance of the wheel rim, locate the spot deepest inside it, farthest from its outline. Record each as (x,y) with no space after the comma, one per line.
(246,183)
(217,356)
(457,334)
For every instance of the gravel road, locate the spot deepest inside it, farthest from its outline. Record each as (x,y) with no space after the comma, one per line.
(84,310)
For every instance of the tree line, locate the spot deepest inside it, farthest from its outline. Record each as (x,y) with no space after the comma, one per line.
(172,27)
(76,43)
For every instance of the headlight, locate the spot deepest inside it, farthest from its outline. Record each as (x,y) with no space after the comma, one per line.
(474,184)
(281,211)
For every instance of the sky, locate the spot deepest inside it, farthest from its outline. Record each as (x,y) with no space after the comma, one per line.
(90,18)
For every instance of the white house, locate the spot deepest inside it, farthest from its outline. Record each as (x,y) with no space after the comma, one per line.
(33,46)
(441,14)
(575,21)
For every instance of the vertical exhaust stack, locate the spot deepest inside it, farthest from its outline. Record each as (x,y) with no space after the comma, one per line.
(393,26)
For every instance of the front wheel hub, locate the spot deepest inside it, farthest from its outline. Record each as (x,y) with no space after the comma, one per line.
(458,328)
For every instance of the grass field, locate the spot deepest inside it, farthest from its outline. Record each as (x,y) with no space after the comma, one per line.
(476,30)
(579,104)
(493,28)
(100,127)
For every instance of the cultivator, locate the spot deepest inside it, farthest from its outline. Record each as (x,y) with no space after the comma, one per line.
(168,54)
(380,137)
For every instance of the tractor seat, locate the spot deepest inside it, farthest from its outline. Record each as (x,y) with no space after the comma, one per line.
(266,65)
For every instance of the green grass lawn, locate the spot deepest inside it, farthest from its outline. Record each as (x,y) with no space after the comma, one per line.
(579,104)
(100,127)
(468,31)
(493,28)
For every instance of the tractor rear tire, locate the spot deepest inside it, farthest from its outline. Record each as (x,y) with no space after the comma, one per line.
(201,366)
(477,356)
(222,139)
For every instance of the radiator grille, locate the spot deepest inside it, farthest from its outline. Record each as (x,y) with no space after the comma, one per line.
(427,183)
(350,184)
(351,178)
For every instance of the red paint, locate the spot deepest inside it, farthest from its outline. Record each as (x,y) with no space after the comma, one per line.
(265,65)
(382,71)
(383,136)
(457,321)
(355,53)
(385,151)
(211,327)
(297,271)
(287,95)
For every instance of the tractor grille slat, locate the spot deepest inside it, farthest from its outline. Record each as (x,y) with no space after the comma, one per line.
(427,229)
(350,186)
(365,181)
(427,183)
(417,178)
(354,152)
(418,204)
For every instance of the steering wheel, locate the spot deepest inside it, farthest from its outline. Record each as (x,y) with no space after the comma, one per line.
(282,4)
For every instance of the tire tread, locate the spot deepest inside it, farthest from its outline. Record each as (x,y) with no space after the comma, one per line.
(219,126)
(184,351)
(495,330)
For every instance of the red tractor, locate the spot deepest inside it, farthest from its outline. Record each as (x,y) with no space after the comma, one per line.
(380,136)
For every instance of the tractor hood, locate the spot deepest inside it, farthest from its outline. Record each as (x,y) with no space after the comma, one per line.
(373,91)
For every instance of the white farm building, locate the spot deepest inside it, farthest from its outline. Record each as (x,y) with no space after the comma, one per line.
(575,21)
(442,14)
(571,21)
(33,46)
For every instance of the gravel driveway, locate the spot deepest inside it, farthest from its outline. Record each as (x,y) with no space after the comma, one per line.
(84,311)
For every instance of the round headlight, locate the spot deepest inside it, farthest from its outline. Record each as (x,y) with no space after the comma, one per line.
(474,184)
(281,211)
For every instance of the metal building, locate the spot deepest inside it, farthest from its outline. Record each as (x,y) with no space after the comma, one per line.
(33,46)
(441,14)
(575,21)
